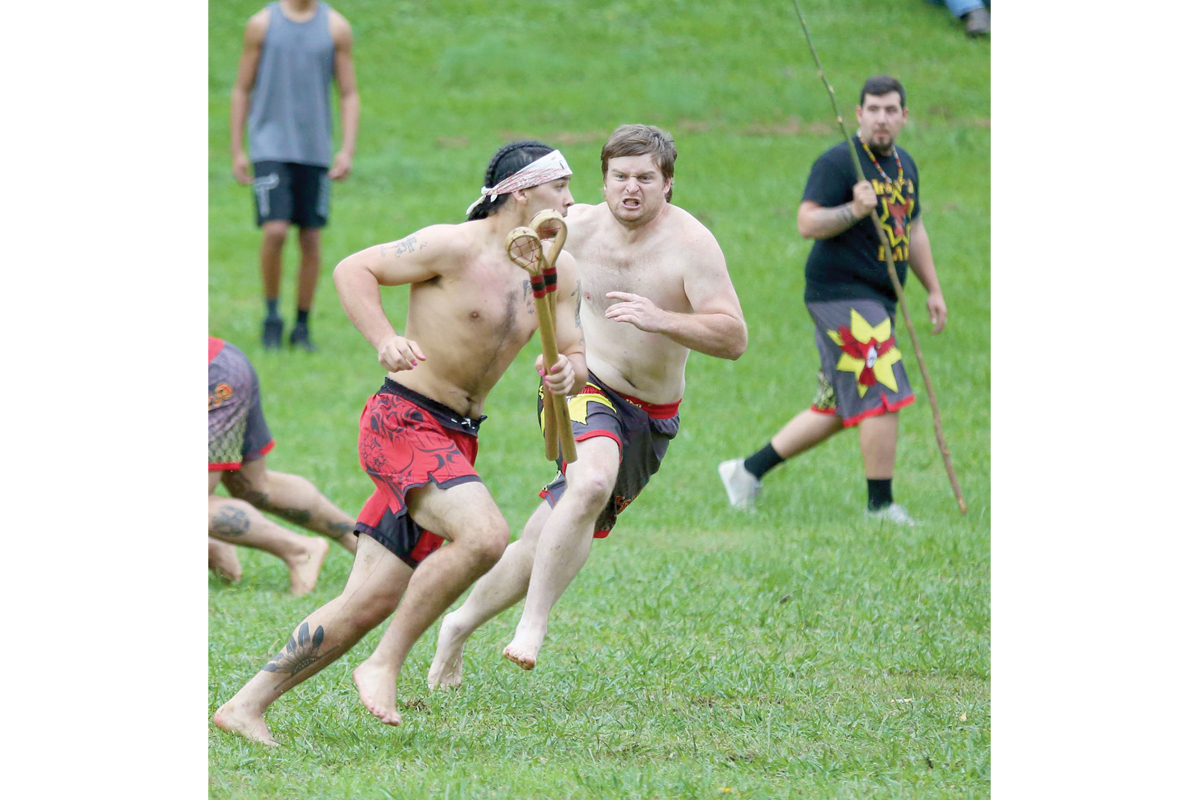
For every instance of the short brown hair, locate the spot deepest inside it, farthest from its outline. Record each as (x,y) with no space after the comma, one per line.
(640,140)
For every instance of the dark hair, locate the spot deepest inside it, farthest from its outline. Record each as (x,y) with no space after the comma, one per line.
(879,85)
(640,140)
(508,159)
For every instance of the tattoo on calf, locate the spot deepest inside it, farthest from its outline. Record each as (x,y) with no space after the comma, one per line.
(339,529)
(231,522)
(296,515)
(299,654)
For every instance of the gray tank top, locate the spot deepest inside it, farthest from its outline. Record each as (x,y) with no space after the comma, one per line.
(289,106)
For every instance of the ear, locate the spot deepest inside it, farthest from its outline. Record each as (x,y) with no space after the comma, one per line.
(668,185)
(521,196)
(858,114)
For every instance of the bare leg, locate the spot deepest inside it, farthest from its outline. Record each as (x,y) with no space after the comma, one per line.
(564,544)
(223,560)
(503,585)
(476,533)
(271,255)
(805,431)
(310,267)
(293,498)
(877,439)
(376,583)
(237,522)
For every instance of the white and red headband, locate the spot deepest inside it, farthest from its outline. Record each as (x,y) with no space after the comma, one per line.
(547,168)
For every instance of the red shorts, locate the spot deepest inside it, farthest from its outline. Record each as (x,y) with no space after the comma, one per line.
(406,440)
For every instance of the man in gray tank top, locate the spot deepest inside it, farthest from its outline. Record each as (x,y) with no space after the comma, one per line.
(293,50)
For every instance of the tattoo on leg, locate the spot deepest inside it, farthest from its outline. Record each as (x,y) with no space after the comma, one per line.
(339,529)
(231,522)
(300,653)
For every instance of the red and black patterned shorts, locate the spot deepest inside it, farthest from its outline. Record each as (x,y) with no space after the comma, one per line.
(405,441)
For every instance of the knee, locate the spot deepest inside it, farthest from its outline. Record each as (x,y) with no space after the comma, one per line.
(488,546)
(592,487)
(275,233)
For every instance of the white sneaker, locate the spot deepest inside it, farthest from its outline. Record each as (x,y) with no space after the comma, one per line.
(740,485)
(892,513)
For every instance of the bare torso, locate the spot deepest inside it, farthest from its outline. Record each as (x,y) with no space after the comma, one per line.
(470,322)
(651,263)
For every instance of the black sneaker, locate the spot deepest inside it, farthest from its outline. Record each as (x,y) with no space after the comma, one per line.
(299,338)
(272,338)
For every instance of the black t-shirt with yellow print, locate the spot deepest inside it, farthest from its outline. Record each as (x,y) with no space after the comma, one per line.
(852,264)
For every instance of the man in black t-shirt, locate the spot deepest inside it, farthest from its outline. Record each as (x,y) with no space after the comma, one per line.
(850,297)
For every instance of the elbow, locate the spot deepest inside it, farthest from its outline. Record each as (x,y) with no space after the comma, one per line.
(805,229)
(341,274)
(739,344)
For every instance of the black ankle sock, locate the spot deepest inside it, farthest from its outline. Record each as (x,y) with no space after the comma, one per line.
(879,493)
(273,309)
(301,317)
(763,461)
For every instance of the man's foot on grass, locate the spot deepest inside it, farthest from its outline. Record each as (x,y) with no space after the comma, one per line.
(894,513)
(240,721)
(305,567)
(299,338)
(979,22)
(741,487)
(223,560)
(377,691)
(272,335)
(446,670)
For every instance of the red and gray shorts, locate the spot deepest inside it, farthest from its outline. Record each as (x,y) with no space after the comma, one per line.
(405,441)
(861,373)
(641,430)
(237,429)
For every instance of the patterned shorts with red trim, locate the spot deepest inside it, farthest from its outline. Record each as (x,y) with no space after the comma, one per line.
(641,430)
(237,429)
(405,441)
(861,373)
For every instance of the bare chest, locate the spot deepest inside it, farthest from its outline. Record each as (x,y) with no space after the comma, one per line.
(654,274)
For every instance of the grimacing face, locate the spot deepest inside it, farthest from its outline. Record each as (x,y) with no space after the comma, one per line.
(634,189)
(880,119)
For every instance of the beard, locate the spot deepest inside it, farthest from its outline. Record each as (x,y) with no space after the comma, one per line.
(881,149)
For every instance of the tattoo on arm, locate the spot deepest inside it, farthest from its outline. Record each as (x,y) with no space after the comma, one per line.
(408,245)
(846,215)
(299,654)
(231,522)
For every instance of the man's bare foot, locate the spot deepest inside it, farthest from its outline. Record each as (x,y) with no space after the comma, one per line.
(522,657)
(223,560)
(377,691)
(304,567)
(237,720)
(446,670)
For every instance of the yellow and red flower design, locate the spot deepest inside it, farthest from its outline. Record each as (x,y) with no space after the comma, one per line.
(869,351)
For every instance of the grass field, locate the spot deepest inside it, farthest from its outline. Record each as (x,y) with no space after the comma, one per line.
(799,652)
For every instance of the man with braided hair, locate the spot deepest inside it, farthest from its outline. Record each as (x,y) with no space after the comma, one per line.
(654,288)
(470,312)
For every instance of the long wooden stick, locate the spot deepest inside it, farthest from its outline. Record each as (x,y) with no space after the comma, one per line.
(525,250)
(550,225)
(891,267)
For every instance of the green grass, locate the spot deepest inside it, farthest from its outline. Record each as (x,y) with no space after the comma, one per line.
(798,652)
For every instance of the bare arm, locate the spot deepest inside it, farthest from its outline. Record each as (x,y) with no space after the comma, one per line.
(343,73)
(715,327)
(920,258)
(413,259)
(568,325)
(256,31)
(818,222)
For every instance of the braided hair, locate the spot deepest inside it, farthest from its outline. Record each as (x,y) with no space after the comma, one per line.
(508,159)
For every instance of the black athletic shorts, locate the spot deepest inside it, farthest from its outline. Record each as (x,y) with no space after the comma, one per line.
(298,193)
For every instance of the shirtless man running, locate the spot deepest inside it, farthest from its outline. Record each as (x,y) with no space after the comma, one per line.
(470,312)
(655,287)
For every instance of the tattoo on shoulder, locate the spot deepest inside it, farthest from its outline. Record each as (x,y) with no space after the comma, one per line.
(299,654)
